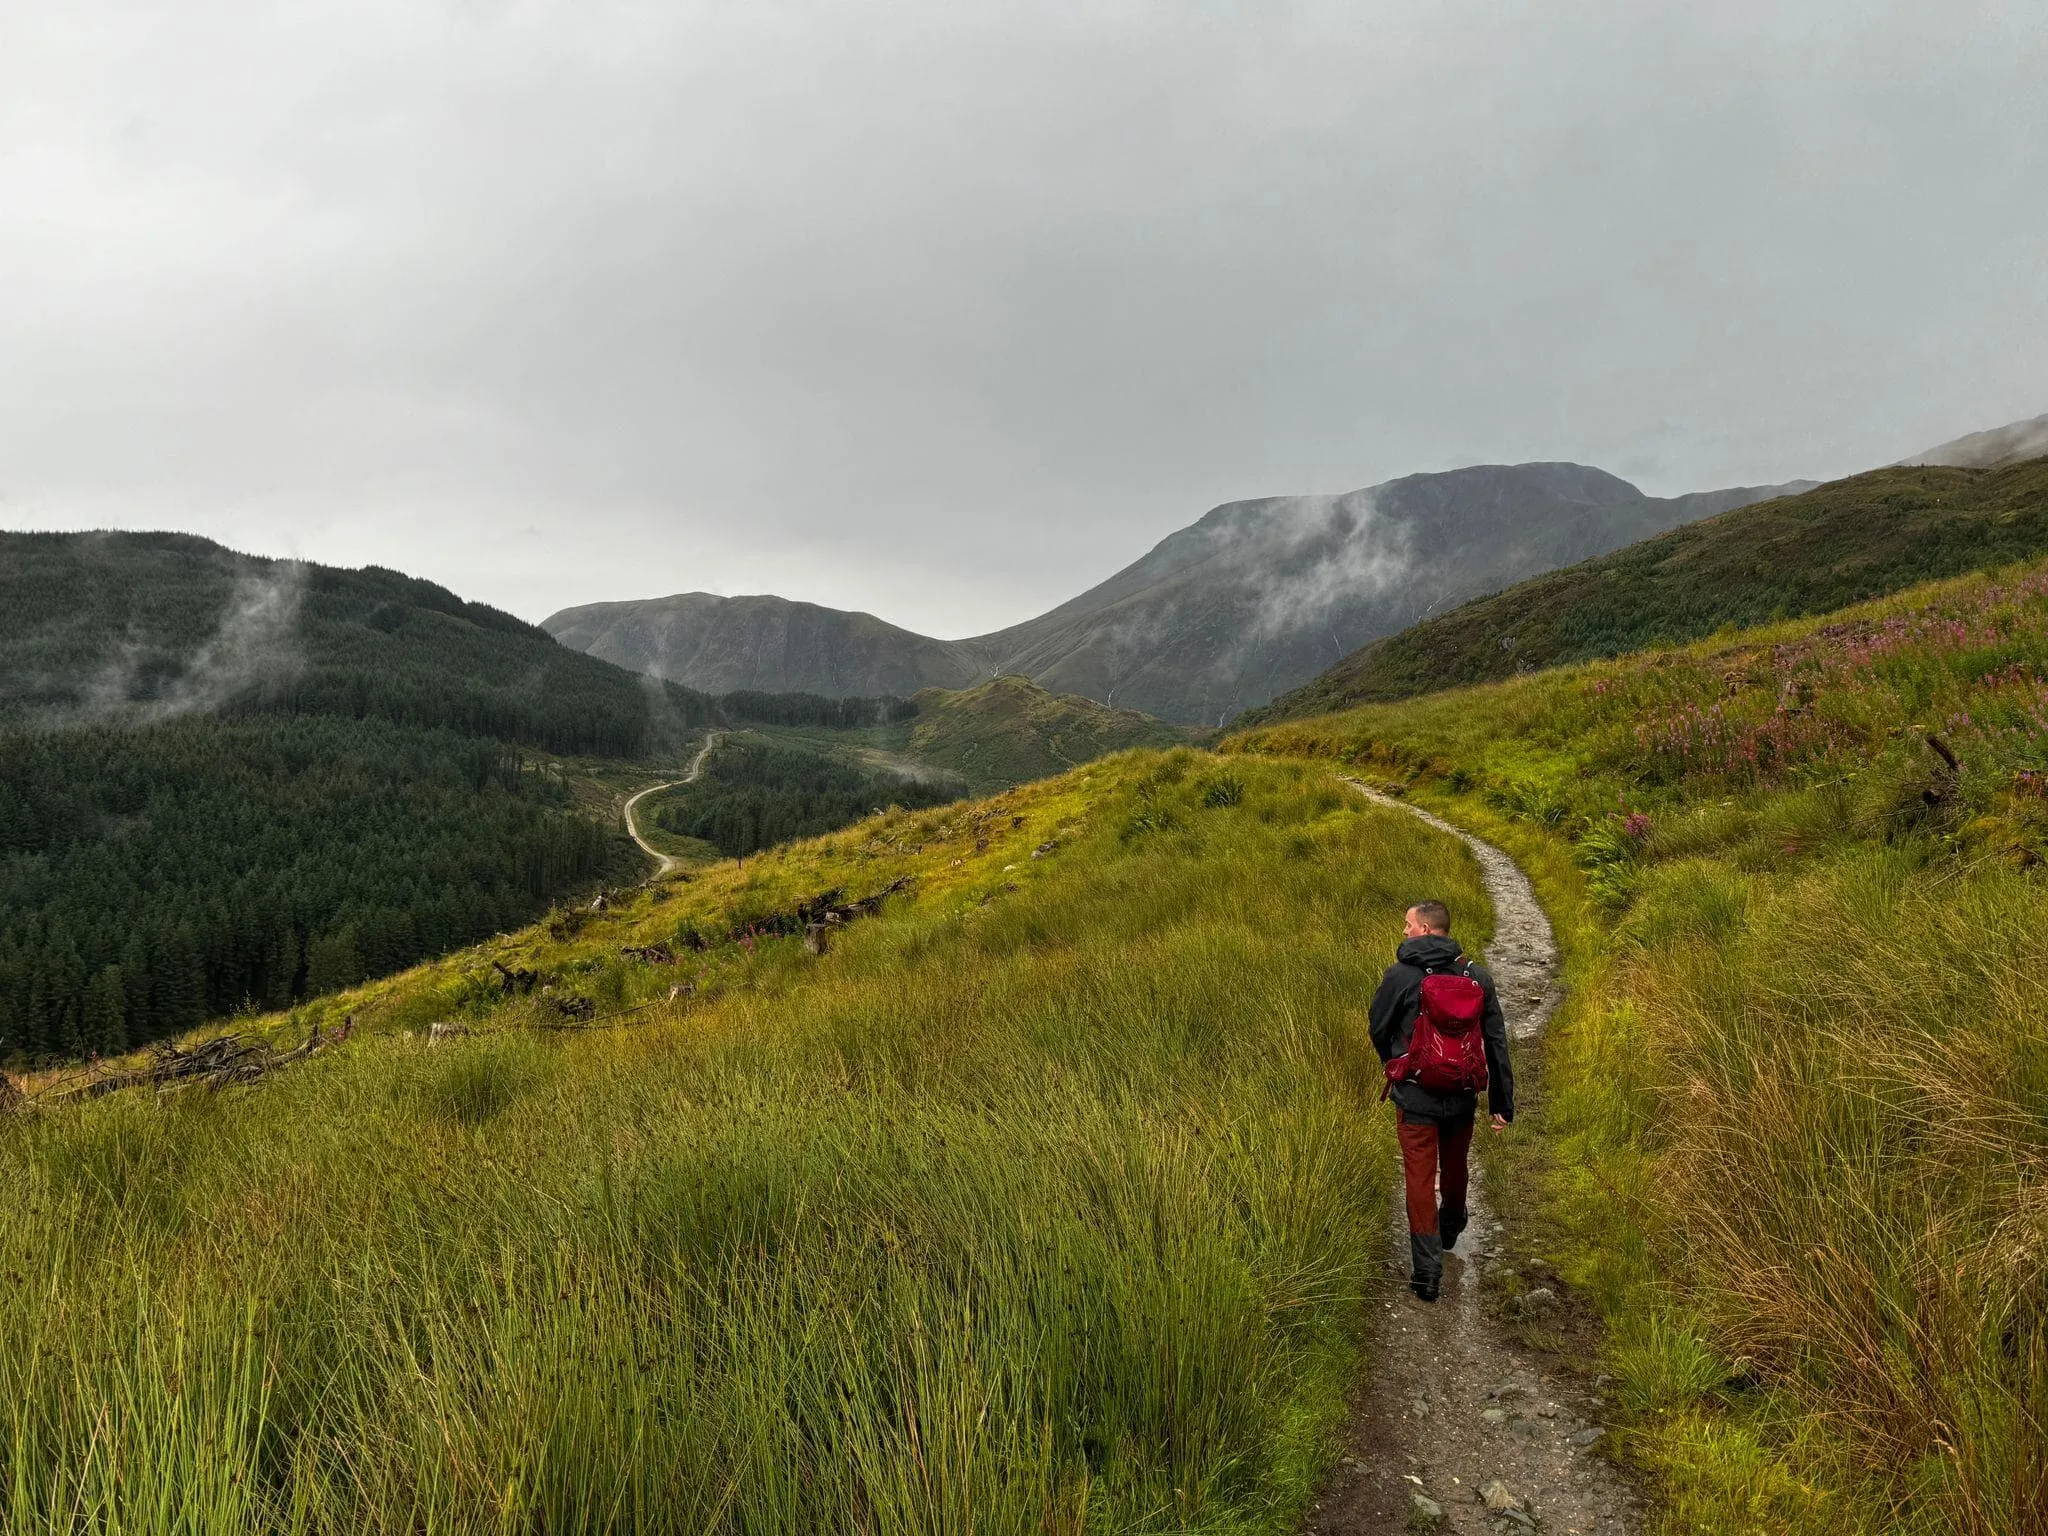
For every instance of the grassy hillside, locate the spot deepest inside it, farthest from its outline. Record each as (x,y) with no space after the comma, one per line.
(1010,730)
(1797,1108)
(1841,543)
(1042,1201)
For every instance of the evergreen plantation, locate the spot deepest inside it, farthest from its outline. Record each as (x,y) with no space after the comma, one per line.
(153,878)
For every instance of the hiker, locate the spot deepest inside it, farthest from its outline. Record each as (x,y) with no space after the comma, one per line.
(1434,1074)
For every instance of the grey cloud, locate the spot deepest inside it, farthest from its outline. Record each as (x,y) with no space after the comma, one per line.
(945,311)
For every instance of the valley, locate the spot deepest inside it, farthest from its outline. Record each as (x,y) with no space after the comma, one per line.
(955,1112)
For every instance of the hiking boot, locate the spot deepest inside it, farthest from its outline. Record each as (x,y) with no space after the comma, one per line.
(1427,1261)
(1452,1225)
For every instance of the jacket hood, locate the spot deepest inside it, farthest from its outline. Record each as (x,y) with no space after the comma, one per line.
(1432,949)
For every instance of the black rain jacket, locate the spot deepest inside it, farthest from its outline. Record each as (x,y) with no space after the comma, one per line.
(1392,1015)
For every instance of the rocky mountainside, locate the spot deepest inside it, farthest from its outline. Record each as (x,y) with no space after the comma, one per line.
(1254,599)
(1260,596)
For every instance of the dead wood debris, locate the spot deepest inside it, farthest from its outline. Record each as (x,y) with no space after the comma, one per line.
(828,907)
(519,981)
(221,1062)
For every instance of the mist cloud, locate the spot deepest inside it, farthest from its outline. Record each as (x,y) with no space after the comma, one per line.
(254,648)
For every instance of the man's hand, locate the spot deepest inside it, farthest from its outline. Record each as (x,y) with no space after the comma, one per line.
(1499,1124)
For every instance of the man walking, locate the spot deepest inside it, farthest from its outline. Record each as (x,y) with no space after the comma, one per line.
(1436,1121)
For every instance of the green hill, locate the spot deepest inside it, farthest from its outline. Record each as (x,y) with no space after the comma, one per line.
(1010,731)
(113,628)
(1841,543)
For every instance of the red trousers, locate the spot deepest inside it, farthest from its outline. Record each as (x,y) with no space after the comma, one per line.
(1430,1154)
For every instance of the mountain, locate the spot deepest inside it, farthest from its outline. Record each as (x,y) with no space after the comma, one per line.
(1842,542)
(1260,595)
(770,644)
(1987,450)
(1253,599)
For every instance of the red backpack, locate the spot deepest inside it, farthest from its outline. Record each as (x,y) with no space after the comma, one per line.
(1447,1051)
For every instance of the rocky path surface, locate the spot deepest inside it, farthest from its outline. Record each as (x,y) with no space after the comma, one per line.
(662,862)
(1460,1428)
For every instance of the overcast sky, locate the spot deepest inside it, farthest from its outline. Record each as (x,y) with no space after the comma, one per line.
(946,310)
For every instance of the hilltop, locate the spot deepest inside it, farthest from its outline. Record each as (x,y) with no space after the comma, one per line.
(117,628)
(1010,730)
(1254,598)
(1839,543)
(766,644)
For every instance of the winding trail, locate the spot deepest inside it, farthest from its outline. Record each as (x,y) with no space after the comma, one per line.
(1452,1404)
(662,862)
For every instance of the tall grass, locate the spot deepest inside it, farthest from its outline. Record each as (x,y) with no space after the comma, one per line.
(1797,1108)
(1051,1213)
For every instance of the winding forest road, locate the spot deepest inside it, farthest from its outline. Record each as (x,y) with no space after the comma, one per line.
(1453,1407)
(662,862)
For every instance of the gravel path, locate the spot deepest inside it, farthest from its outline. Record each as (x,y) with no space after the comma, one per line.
(662,862)
(1454,1409)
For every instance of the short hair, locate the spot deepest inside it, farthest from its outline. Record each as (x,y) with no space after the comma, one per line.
(1433,915)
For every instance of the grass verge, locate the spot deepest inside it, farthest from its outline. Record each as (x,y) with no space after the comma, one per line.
(1796,1107)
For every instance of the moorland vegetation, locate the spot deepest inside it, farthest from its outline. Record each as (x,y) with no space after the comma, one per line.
(1042,1201)
(1796,1110)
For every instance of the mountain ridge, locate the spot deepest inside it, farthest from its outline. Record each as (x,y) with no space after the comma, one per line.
(1254,597)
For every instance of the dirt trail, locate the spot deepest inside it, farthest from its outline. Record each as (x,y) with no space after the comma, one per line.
(1453,1405)
(662,862)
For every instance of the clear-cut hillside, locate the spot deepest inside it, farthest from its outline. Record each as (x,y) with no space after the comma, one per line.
(1254,599)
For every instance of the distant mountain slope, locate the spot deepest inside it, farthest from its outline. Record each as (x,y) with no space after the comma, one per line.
(769,644)
(1010,731)
(1986,450)
(1259,595)
(1256,597)
(1843,542)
